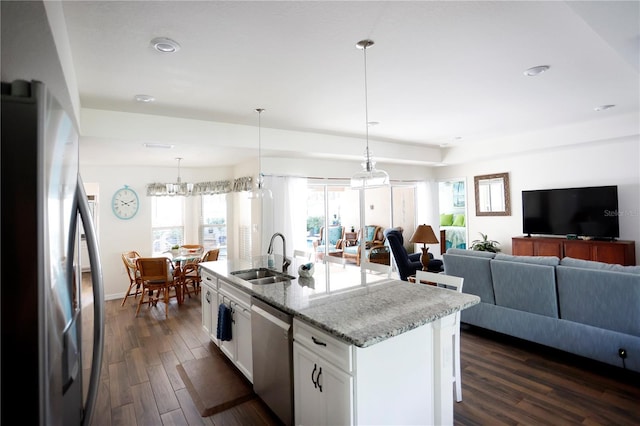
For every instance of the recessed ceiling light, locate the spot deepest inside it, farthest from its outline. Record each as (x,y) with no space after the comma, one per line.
(603,107)
(373,123)
(533,71)
(158,145)
(144,98)
(165,45)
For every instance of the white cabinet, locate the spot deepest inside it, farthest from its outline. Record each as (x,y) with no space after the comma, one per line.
(322,391)
(214,292)
(323,384)
(209,294)
(238,349)
(399,380)
(242,333)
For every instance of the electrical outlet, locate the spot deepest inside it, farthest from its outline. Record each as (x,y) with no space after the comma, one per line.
(622,353)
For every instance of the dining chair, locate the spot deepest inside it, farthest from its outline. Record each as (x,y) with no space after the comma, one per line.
(301,256)
(156,276)
(211,255)
(335,259)
(190,276)
(449,282)
(129,260)
(377,268)
(302,253)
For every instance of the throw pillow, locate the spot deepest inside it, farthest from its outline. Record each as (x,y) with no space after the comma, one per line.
(446,219)
(335,233)
(458,220)
(370,233)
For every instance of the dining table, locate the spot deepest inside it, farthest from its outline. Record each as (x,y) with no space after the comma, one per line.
(178,276)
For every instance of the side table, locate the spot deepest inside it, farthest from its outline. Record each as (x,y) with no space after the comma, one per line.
(351,238)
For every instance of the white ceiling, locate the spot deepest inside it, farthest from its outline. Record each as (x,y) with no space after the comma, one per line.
(440,73)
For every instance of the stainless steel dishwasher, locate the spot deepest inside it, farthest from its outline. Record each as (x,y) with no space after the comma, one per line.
(272,343)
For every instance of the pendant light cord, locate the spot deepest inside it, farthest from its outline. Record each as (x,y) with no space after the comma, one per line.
(366,103)
(259,111)
(369,177)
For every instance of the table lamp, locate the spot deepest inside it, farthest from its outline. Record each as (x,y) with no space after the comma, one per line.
(424,234)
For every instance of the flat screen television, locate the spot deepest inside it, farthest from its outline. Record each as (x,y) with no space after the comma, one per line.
(589,211)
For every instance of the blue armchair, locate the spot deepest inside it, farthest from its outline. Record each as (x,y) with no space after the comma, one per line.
(374,238)
(406,263)
(332,238)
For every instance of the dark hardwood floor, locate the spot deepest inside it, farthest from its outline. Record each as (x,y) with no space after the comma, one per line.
(507,381)
(504,381)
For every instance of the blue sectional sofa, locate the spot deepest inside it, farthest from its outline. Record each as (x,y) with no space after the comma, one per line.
(591,309)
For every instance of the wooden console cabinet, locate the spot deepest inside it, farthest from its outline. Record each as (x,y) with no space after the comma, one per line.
(618,252)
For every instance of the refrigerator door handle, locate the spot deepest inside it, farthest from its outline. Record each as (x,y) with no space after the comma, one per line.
(98,301)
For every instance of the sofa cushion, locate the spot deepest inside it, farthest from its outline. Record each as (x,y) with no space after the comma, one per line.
(353,250)
(589,264)
(474,253)
(525,286)
(600,298)
(536,260)
(475,270)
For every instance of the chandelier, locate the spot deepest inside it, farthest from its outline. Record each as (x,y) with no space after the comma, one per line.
(179,188)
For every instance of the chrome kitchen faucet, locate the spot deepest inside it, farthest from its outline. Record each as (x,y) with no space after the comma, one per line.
(285,262)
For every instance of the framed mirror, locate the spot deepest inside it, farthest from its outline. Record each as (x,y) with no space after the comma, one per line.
(492,195)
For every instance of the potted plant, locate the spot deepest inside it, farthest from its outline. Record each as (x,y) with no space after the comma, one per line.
(175,249)
(485,244)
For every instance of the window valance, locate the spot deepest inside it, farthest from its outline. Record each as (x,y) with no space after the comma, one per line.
(202,188)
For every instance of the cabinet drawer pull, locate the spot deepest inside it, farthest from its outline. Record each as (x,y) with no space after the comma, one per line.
(315,385)
(208,278)
(318,342)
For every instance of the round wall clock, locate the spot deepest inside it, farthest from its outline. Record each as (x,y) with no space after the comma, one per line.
(125,203)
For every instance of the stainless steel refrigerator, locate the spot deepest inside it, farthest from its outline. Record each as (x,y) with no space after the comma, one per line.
(52,325)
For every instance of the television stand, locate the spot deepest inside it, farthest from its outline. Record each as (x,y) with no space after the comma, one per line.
(612,251)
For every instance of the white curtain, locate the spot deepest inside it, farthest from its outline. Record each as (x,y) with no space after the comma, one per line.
(428,208)
(287,212)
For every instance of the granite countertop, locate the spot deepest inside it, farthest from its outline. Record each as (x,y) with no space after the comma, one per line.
(336,300)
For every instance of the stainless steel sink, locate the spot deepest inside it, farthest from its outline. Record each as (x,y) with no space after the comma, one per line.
(261,276)
(269,280)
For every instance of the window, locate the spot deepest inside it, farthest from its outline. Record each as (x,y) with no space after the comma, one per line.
(329,205)
(213,226)
(167,223)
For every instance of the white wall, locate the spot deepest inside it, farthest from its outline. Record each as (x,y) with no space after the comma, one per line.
(116,236)
(615,162)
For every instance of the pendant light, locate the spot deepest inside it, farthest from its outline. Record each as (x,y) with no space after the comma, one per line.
(259,191)
(369,176)
(179,188)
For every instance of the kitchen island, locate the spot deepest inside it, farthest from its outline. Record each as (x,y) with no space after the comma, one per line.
(385,351)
